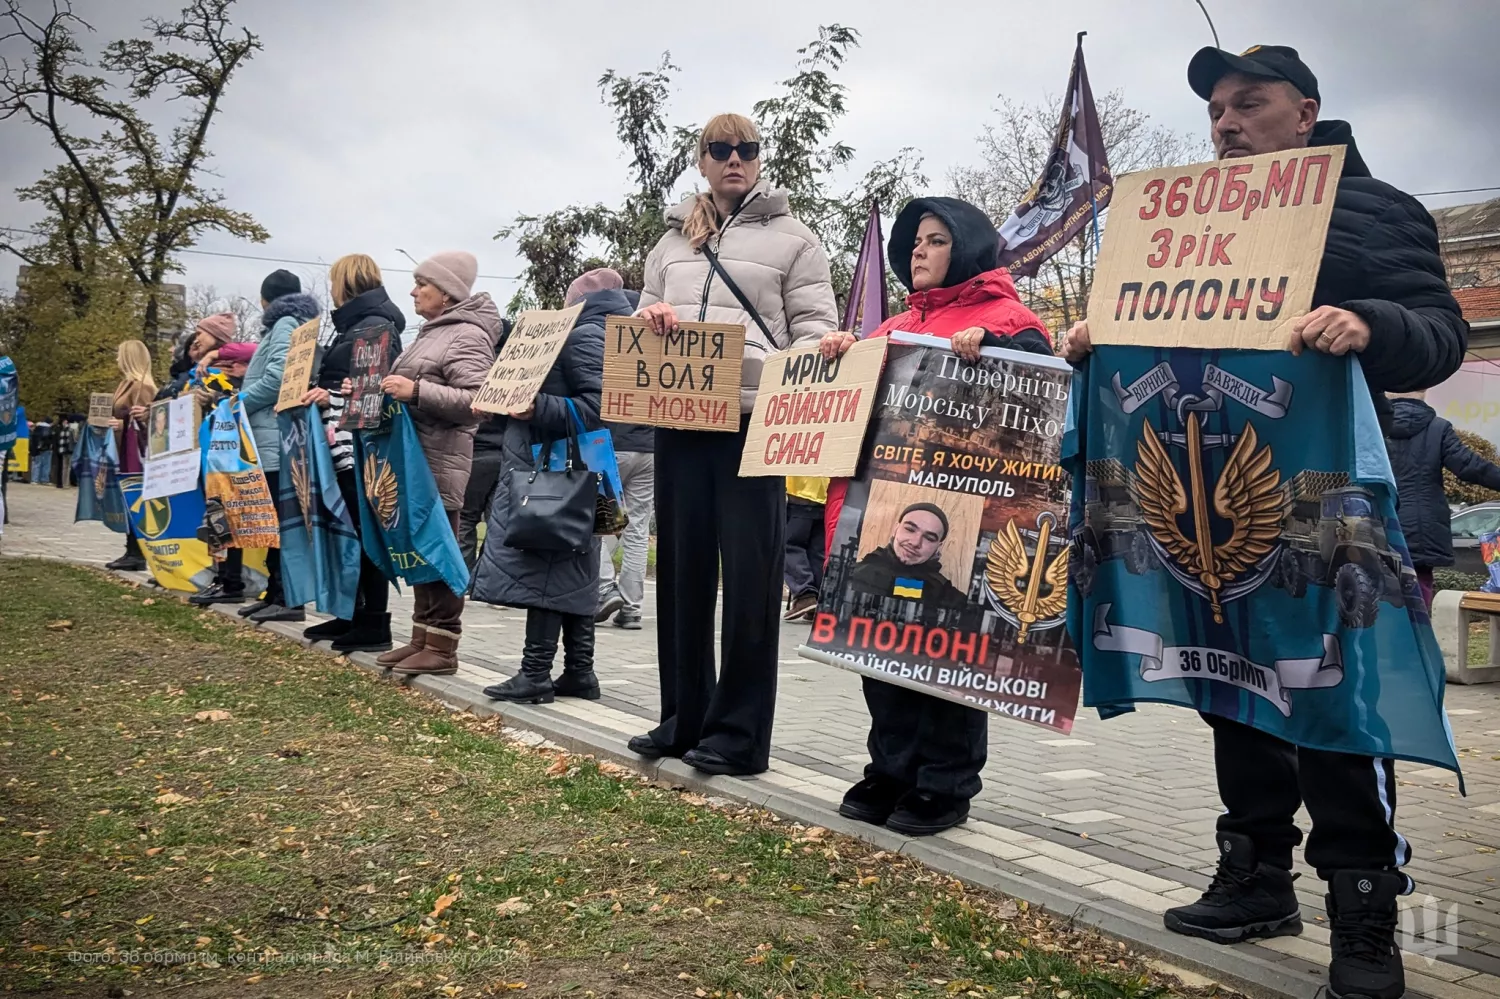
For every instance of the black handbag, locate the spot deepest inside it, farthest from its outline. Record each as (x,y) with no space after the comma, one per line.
(553,511)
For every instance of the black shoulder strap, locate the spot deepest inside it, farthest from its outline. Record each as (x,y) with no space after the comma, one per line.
(734,289)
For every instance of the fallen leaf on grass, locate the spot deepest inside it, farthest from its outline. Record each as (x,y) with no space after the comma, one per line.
(559,766)
(59,625)
(442,903)
(149,601)
(172,798)
(212,716)
(153,851)
(512,907)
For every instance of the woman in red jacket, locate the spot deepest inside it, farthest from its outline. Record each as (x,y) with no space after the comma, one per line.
(925,752)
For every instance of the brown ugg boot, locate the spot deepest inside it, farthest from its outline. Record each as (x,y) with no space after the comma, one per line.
(417,644)
(439,657)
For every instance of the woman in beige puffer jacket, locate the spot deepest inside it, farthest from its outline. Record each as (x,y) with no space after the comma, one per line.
(706,514)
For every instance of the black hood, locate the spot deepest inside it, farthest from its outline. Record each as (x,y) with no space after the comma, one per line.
(976,244)
(1410,417)
(374,302)
(1339,133)
(599,304)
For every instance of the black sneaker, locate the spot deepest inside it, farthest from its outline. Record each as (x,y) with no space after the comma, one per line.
(215,594)
(922,813)
(1246,900)
(872,800)
(254,607)
(523,689)
(629,620)
(1362,915)
(127,563)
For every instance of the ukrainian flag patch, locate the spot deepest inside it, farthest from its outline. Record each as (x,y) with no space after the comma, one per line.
(911,589)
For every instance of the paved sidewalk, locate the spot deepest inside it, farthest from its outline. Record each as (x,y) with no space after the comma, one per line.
(1114,823)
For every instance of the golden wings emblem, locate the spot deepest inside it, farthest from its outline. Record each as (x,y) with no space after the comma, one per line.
(1018,579)
(380,490)
(1248,494)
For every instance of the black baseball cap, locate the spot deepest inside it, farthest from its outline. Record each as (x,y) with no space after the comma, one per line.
(1276,62)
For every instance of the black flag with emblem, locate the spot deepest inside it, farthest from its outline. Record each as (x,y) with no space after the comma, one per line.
(1074,187)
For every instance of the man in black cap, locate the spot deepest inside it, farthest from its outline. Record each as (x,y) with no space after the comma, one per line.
(1382,294)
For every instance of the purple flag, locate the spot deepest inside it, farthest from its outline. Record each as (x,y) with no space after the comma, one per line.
(1075,185)
(867,308)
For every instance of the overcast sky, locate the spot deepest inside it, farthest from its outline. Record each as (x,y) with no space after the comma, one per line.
(367,125)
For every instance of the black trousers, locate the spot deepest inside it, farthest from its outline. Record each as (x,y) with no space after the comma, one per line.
(274,592)
(925,742)
(1351,800)
(231,571)
(804,547)
(706,514)
(483,476)
(374,589)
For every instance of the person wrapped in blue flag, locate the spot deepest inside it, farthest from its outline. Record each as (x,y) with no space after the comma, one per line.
(1281,605)
(320,548)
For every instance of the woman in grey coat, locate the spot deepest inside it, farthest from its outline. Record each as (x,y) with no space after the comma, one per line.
(560,590)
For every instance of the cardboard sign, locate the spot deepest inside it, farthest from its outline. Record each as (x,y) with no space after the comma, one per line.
(170,475)
(529,353)
(1218,255)
(689,379)
(369,363)
(949,567)
(810,414)
(172,427)
(101,409)
(296,376)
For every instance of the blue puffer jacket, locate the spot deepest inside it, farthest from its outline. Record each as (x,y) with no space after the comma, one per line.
(263,376)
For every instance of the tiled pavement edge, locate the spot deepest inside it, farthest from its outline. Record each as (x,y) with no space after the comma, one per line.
(1076,857)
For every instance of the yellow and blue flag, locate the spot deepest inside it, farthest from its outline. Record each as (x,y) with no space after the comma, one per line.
(319,545)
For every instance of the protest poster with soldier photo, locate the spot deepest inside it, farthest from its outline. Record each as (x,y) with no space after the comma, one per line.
(949,569)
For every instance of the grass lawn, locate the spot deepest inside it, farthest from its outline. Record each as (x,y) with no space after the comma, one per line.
(278,823)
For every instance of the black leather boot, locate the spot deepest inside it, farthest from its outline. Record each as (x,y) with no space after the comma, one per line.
(533,685)
(578,679)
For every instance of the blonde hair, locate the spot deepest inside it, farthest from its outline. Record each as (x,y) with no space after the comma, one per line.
(134,360)
(353,274)
(703,218)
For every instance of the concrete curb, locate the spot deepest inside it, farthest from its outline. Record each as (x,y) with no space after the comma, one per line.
(1241,968)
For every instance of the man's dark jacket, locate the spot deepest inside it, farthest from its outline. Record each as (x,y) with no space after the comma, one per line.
(1381,262)
(1421,445)
(878,571)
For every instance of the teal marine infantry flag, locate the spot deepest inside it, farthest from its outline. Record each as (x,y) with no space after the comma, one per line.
(1235,550)
(402,522)
(319,545)
(96,469)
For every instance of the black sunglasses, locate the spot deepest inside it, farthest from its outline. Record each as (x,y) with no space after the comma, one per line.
(721,150)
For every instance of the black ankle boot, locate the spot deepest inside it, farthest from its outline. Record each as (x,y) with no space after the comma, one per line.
(367,633)
(923,813)
(873,799)
(327,631)
(578,679)
(1245,901)
(1362,913)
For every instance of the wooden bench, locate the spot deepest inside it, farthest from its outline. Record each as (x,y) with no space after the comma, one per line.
(1452,613)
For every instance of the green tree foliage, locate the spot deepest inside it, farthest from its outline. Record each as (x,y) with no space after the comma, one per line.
(125,199)
(798,155)
(1459,491)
